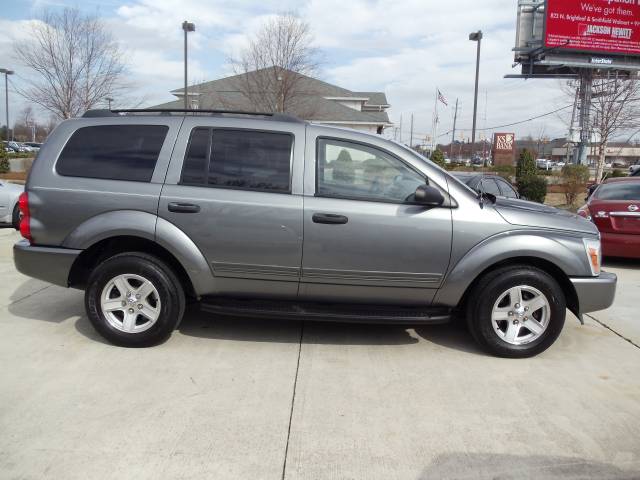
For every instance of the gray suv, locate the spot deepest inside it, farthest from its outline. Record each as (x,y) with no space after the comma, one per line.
(267,215)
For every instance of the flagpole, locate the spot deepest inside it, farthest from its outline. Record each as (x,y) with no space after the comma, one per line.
(434,125)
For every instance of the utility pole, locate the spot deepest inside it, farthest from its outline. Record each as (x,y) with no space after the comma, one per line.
(453,136)
(475,37)
(411,141)
(187,27)
(400,128)
(586,90)
(6,94)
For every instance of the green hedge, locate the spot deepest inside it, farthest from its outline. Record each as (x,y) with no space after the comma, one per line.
(533,188)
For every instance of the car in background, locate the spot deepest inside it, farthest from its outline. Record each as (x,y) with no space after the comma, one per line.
(634,169)
(636,173)
(492,184)
(544,164)
(34,146)
(614,207)
(9,208)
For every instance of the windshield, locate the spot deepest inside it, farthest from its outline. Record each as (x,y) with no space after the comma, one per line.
(618,191)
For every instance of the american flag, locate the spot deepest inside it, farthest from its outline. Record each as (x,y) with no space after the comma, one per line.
(442,99)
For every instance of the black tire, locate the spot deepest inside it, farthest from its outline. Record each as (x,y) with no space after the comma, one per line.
(488,291)
(170,292)
(15,217)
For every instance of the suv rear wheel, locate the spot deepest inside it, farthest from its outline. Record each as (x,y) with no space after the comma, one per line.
(516,312)
(134,300)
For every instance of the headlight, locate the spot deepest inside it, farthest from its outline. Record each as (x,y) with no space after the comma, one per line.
(593,250)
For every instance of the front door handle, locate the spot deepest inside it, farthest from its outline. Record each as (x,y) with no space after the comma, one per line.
(183,207)
(329,218)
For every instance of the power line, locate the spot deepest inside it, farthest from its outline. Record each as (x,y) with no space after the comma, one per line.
(516,123)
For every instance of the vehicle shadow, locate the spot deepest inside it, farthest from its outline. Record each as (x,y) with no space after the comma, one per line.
(490,466)
(206,325)
(56,305)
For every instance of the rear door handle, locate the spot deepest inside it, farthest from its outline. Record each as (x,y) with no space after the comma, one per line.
(329,218)
(183,207)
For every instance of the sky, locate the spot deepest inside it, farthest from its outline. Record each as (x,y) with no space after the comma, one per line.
(406,48)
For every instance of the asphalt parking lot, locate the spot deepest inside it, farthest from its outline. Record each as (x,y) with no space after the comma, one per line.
(250,399)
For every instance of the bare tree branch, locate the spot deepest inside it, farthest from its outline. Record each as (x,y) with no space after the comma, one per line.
(615,109)
(76,63)
(272,72)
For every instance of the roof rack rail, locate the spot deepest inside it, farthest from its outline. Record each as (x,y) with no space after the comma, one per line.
(114,113)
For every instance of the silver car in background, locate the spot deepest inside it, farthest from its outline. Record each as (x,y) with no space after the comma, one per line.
(9,210)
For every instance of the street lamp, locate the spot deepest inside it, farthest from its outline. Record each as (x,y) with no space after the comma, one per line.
(475,37)
(109,100)
(187,27)
(6,93)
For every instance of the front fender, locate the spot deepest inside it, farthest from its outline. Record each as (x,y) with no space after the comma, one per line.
(564,251)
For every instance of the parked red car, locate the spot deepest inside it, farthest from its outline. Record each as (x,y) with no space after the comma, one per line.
(615,209)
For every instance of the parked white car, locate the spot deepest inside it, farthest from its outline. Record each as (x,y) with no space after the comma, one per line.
(9,212)
(544,164)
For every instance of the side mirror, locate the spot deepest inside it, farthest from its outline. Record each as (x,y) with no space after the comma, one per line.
(428,195)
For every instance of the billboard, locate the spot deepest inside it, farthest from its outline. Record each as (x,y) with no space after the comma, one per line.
(609,27)
(504,148)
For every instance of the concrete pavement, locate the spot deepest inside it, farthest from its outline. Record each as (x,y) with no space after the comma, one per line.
(233,399)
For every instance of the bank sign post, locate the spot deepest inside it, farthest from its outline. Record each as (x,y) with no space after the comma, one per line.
(593,26)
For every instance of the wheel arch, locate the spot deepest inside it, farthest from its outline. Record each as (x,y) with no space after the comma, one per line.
(108,247)
(560,256)
(527,261)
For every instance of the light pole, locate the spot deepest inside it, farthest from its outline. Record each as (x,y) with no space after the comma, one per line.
(109,100)
(6,94)
(475,37)
(187,27)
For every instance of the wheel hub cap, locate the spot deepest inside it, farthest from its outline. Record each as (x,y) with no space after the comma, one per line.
(130,303)
(521,315)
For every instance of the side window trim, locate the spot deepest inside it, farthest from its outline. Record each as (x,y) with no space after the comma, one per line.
(319,141)
(212,131)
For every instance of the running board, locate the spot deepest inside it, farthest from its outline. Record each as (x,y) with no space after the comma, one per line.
(325,312)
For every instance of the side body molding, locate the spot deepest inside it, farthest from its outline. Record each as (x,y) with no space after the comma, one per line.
(562,251)
(150,227)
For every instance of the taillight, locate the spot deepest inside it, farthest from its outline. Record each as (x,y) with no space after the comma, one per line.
(25,216)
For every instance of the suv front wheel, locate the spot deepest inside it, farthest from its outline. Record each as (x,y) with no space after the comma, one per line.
(134,300)
(516,312)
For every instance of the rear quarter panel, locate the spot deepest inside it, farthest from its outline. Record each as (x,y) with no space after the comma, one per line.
(59,204)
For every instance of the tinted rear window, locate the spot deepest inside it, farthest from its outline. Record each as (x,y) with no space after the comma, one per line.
(240,159)
(116,152)
(619,191)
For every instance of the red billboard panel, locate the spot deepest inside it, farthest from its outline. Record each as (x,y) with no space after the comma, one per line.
(606,27)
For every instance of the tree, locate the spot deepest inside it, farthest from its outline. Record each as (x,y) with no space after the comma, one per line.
(575,179)
(615,109)
(273,70)
(526,165)
(437,157)
(75,61)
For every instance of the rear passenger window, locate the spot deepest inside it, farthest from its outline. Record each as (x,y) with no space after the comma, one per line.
(239,159)
(114,152)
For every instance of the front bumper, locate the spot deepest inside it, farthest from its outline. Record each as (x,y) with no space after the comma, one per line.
(595,293)
(44,263)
